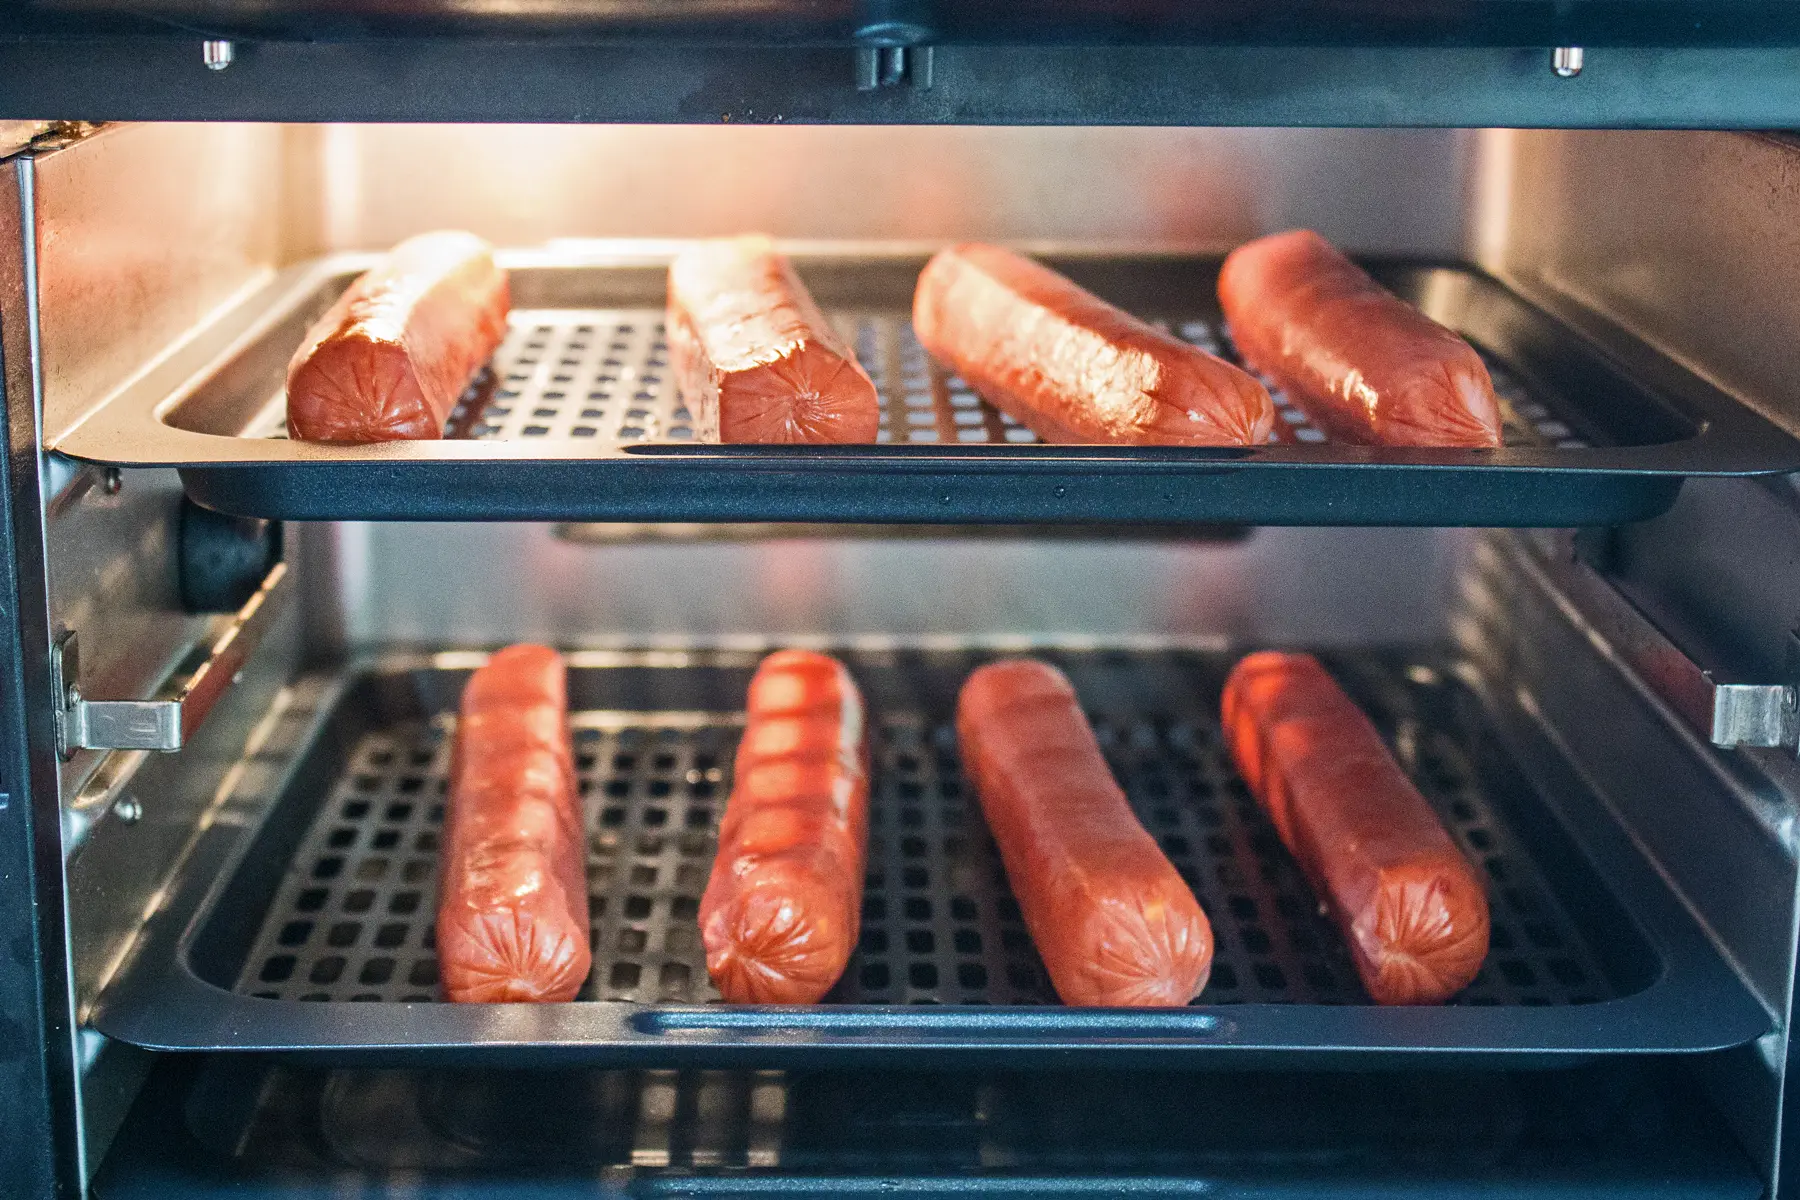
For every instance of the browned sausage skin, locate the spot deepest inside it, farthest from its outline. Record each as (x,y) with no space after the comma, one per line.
(388,361)
(512,920)
(754,357)
(1070,366)
(783,907)
(1366,366)
(1113,921)
(1410,906)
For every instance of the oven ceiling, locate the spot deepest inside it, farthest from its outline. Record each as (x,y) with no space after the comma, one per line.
(1641,63)
(1588,23)
(508,80)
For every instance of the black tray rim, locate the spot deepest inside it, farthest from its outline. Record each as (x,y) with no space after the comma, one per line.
(1283,484)
(1695,1004)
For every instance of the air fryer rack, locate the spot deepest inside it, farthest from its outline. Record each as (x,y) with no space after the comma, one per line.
(578,420)
(313,935)
(602,376)
(353,920)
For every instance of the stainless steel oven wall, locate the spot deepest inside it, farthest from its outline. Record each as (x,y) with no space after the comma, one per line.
(145,230)
(128,240)
(1689,242)
(1396,190)
(383,585)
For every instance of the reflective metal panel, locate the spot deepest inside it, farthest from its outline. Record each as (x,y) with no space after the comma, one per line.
(1391,190)
(143,231)
(384,584)
(1690,241)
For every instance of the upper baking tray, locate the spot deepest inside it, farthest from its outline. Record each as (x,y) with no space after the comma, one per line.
(312,932)
(577,419)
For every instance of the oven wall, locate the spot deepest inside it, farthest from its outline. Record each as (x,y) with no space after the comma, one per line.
(1689,242)
(365,187)
(143,232)
(374,586)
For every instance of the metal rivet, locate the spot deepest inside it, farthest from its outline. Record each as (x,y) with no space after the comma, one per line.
(217,54)
(1566,61)
(128,809)
(112,481)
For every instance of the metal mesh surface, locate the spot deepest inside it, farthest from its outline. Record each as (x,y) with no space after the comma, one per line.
(352,921)
(602,376)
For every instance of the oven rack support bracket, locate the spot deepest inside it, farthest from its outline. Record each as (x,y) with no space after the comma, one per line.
(1727,714)
(162,724)
(1757,714)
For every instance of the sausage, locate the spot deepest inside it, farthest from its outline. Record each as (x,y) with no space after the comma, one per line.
(1070,366)
(1410,906)
(1366,366)
(755,359)
(783,907)
(512,921)
(1113,922)
(389,359)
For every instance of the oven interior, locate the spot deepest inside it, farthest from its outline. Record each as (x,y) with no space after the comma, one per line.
(1586,666)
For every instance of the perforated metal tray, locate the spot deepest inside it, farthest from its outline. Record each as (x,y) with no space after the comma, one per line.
(577,419)
(318,937)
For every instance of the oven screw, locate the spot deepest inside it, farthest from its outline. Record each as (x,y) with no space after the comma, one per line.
(112,481)
(217,53)
(128,809)
(1566,61)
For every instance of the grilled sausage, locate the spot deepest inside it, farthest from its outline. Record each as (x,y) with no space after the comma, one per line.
(512,919)
(1366,366)
(1113,922)
(782,909)
(1070,366)
(1409,904)
(389,359)
(754,357)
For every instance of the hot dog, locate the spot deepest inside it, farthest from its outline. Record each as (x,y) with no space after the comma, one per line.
(783,906)
(1070,366)
(754,357)
(1410,906)
(1366,366)
(512,920)
(389,359)
(1113,922)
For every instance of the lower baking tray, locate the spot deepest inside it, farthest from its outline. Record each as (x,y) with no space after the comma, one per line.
(315,935)
(577,419)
